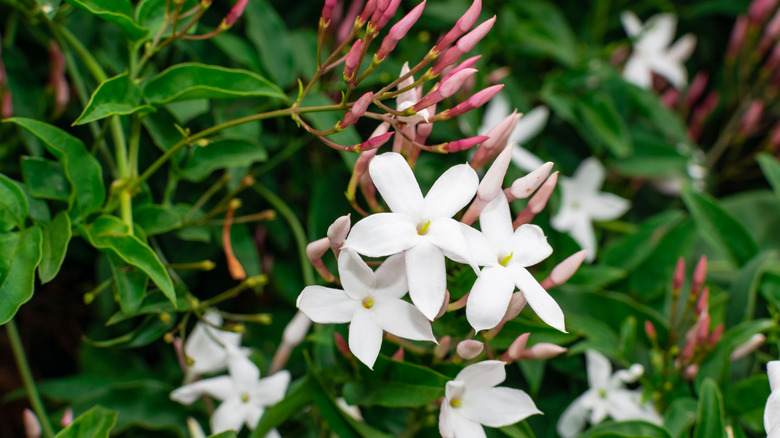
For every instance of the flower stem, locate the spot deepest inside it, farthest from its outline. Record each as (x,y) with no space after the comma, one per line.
(29,383)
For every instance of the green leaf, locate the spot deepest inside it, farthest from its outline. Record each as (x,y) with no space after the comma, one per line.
(20,254)
(13,204)
(228,434)
(598,112)
(56,236)
(221,154)
(95,423)
(390,394)
(117,96)
(771,168)
(710,418)
(680,416)
(82,169)
(742,293)
(154,303)
(156,219)
(297,398)
(130,284)
(110,235)
(631,428)
(719,228)
(189,81)
(266,30)
(629,251)
(45,179)
(651,277)
(117,12)
(715,365)
(152,327)
(747,399)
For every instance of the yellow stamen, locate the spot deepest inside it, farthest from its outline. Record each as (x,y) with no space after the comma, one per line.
(424,229)
(368,303)
(244,397)
(506,259)
(455,403)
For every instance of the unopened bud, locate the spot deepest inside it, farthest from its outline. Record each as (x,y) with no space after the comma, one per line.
(67,417)
(57,80)
(687,351)
(352,60)
(327,12)
(565,269)
(537,203)
(516,348)
(337,233)
(702,112)
(543,351)
(32,427)
(440,351)
(759,10)
(737,38)
(315,250)
(679,274)
(356,112)
(474,101)
(469,349)
(469,63)
(523,187)
(748,347)
(398,355)
(444,305)
(703,329)
(464,45)
(670,98)
(234,14)
(460,145)
(388,14)
(650,330)
(490,186)
(715,336)
(771,34)
(342,345)
(516,305)
(703,302)
(296,329)
(447,87)
(398,31)
(193,427)
(368,10)
(751,118)
(690,372)
(464,23)
(696,89)
(374,143)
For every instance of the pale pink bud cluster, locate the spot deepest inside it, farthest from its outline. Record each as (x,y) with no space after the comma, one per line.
(446,88)
(540,351)
(463,46)
(537,203)
(679,274)
(696,89)
(702,112)
(399,31)
(315,250)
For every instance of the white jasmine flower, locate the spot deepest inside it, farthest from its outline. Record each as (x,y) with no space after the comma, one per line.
(207,346)
(772,409)
(582,203)
(409,98)
(652,51)
(505,253)
(422,227)
(243,393)
(370,302)
(473,400)
(607,397)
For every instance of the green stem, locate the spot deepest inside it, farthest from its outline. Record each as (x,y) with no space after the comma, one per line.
(29,383)
(295,226)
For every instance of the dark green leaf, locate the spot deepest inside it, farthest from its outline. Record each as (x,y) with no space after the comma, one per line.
(115,96)
(715,365)
(771,168)
(680,416)
(118,12)
(95,423)
(156,219)
(629,251)
(632,428)
(191,81)
(13,204)
(747,399)
(56,236)
(742,293)
(45,179)
(110,235)
(653,275)
(228,434)
(152,327)
(719,228)
(293,403)
(20,253)
(710,418)
(266,30)
(390,394)
(221,154)
(82,169)
(599,115)
(130,284)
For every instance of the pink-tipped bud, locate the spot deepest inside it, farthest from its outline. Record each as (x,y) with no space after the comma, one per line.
(696,89)
(516,348)
(57,80)
(748,347)
(352,60)
(327,12)
(356,112)
(444,305)
(650,330)
(67,416)
(468,41)
(398,31)
(702,113)
(516,305)
(296,329)
(342,345)
(460,145)
(690,372)
(537,203)
(469,63)
(523,187)
(337,233)
(679,274)
(716,334)
(699,275)
(469,349)
(374,143)
(32,427)
(565,269)
(686,354)
(771,34)
(703,303)
(670,98)
(751,118)
(6,105)
(440,351)
(771,64)
(497,141)
(489,187)
(398,356)
(315,250)
(759,10)
(381,7)
(367,12)
(464,23)
(703,328)
(474,101)
(234,14)
(543,351)
(737,38)
(774,139)
(447,87)
(388,14)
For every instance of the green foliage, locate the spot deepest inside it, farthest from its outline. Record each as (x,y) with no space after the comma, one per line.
(95,423)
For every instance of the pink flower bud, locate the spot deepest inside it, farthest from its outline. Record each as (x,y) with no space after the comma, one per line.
(771,34)
(398,31)
(523,187)
(497,141)
(565,269)
(356,112)
(464,23)
(337,233)
(374,143)
(679,274)
(759,10)
(440,351)
(315,250)
(234,14)
(32,427)
(699,275)
(469,349)
(388,14)
(489,187)
(687,351)
(703,303)
(537,203)
(342,345)
(737,38)
(468,41)
(460,145)
(476,100)
(6,106)
(650,330)
(367,12)
(446,88)
(716,335)
(450,57)
(57,80)
(696,89)
(296,329)
(67,416)
(748,347)
(670,98)
(469,63)
(327,11)
(381,7)
(702,328)
(444,305)
(352,60)
(516,348)
(543,351)
(690,372)
(771,64)
(701,113)
(516,305)
(751,118)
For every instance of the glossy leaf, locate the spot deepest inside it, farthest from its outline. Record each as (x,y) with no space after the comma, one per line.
(95,423)
(298,396)
(632,428)
(771,168)
(744,289)
(651,277)
(267,32)
(110,235)
(719,228)
(13,204)
(599,115)
(156,219)
(45,179)
(680,416)
(129,283)
(747,399)
(221,154)
(629,251)
(191,81)
(82,169)
(118,12)
(20,253)
(390,394)
(710,418)
(56,236)
(117,96)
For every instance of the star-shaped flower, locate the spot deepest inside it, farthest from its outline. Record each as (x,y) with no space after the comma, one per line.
(652,51)
(422,227)
(473,400)
(582,203)
(505,253)
(207,346)
(370,302)
(607,397)
(243,393)
(772,409)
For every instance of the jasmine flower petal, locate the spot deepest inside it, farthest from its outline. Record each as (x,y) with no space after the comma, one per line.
(365,337)
(489,297)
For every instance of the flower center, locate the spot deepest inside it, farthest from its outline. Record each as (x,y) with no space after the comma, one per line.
(368,303)
(422,229)
(245,397)
(506,259)
(602,393)
(455,403)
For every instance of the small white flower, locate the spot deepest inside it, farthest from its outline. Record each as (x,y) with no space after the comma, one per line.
(409,98)
(421,227)
(772,409)
(370,302)
(243,393)
(652,51)
(607,397)
(473,400)
(582,203)
(505,253)
(207,346)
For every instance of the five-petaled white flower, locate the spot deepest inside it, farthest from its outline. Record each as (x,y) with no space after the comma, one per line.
(472,400)
(505,253)
(370,302)
(582,203)
(772,409)
(652,51)
(607,396)
(422,227)
(243,393)
(207,346)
